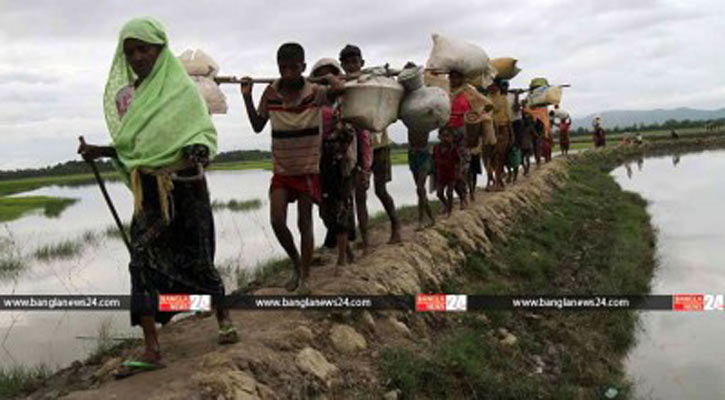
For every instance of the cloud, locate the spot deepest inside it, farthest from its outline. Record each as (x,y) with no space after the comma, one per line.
(616,53)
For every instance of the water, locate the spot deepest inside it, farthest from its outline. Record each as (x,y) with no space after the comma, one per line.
(680,355)
(244,239)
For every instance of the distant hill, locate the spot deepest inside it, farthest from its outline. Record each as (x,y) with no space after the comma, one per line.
(625,118)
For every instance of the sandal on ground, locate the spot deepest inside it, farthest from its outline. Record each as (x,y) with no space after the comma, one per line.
(228,334)
(130,368)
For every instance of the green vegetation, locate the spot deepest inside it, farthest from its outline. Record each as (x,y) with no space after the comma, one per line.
(18,380)
(13,207)
(12,186)
(242,165)
(398,157)
(11,262)
(63,249)
(657,134)
(237,205)
(10,266)
(113,232)
(679,126)
(232,268)
(591,238)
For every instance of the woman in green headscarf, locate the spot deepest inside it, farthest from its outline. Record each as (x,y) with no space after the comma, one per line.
(162,137)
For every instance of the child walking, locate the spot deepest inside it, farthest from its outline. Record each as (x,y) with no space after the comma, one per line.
(447,164)
(292,104)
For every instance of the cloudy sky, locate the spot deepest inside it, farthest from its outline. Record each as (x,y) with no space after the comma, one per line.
(617,54)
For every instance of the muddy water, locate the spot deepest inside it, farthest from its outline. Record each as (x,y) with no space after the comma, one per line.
(680,355)
(244,239)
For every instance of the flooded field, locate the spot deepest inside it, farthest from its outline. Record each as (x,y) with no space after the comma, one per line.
(80,252)
(678,355)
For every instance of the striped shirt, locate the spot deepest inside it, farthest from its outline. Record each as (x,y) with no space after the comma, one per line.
(295,123)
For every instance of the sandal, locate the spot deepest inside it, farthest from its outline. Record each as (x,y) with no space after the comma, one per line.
(130,368)
(228,334)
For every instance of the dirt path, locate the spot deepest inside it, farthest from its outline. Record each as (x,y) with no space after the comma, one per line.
(293,354)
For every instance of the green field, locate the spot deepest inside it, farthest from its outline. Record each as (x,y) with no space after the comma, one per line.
(13,207)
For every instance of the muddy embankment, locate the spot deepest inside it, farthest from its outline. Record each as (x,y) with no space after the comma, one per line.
(331,355)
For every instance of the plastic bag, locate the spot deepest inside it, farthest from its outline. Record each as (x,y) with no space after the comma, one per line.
(426,109)
(198,63)
(505,67)
(372,102)
(451,54)
(545,96)
(411,78)
(213,96)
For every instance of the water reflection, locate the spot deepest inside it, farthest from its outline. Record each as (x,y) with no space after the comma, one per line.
(677,355)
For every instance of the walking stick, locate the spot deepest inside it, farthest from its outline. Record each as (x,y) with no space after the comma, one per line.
(99,179)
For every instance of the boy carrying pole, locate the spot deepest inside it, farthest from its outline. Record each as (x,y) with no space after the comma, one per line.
(292,104)
(352,62)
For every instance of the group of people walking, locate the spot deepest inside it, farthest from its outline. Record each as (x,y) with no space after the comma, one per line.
(163,137)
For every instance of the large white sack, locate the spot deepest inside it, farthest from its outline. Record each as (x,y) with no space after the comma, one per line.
(545,96)
(484,79)
(561,114)
(213,96)
(198,63)
(425,109)
(372,102)
(452,54)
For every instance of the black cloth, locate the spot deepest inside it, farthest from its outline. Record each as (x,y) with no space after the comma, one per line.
(177,258)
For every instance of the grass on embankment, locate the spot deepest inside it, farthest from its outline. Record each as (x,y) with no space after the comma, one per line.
(14,207)
(17,380)
(591,238)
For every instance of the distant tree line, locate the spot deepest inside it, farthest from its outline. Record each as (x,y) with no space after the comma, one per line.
(242,155)
(66,168)
(667,125)
(80,167)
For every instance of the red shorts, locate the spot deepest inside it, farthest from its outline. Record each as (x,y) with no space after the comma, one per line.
(297,185)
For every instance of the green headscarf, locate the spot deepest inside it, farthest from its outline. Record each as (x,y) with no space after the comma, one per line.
(167,112)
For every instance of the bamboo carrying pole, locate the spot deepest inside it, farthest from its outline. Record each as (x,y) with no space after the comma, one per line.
(566,85)
(345,77)
(99,179)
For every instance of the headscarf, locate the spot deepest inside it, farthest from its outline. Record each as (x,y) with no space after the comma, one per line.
(167,112)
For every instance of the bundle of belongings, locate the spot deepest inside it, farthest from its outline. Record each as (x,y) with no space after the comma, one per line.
(542,94)
(202,70)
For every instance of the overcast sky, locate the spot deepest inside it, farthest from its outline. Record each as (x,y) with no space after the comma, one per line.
(617,54)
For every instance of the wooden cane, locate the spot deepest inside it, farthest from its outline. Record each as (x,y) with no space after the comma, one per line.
(102,185)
